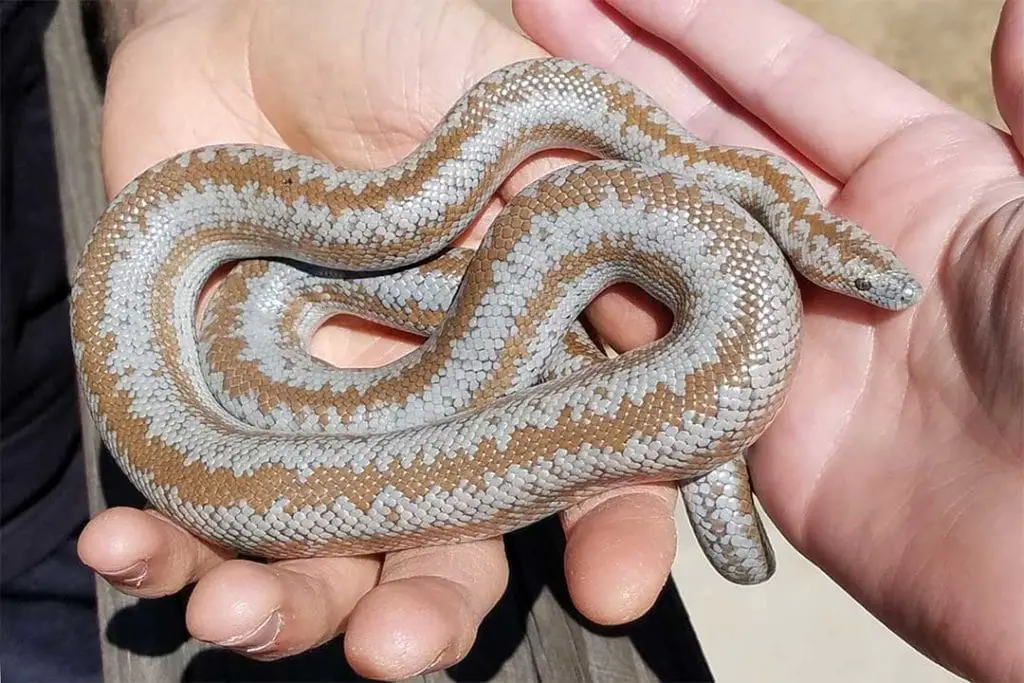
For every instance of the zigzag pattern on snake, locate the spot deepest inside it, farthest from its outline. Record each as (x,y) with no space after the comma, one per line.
(507,413)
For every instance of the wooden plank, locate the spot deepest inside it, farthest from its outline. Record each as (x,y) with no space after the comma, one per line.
(534,634)
(75,99)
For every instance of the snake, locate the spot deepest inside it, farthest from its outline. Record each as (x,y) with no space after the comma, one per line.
(512,409)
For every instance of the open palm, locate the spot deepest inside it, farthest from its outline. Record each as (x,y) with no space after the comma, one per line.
(900,446)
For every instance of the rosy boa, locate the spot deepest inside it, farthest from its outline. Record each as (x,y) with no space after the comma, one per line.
(508,413)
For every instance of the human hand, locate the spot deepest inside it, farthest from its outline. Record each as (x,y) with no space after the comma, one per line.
(896,465)
(195,73)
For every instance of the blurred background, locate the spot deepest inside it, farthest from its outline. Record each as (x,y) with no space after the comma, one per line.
(800,626)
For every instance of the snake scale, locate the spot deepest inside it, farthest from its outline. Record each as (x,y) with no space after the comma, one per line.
(508,412)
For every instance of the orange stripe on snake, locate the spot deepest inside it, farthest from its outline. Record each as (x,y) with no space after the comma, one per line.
(506,414)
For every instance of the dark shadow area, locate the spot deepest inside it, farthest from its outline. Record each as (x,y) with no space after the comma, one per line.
(96,50)
(325,663)
(150,628)
(117,490)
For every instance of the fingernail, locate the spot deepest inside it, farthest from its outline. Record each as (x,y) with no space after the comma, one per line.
(131,575)
(261,638)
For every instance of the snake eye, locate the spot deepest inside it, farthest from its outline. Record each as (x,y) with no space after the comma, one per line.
(862,284)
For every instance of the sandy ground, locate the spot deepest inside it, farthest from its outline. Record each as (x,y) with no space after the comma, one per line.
(800,626)
(944,45)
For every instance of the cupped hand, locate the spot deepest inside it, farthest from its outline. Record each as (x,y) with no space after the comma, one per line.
(896,465)
(358,83)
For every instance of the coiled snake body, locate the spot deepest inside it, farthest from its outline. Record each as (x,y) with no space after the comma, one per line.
(508,413)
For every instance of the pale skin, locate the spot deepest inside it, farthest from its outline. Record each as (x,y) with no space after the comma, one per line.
(896,465)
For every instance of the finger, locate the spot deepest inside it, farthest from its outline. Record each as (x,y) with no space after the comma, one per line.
(775,62)
(626,317)
(427,609)
(349,342)
(619,551)
(594,32)
(268,611)
(142,553)
(1007,73)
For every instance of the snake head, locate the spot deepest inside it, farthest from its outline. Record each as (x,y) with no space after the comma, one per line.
(847,259)
(872,273)
(891,290)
